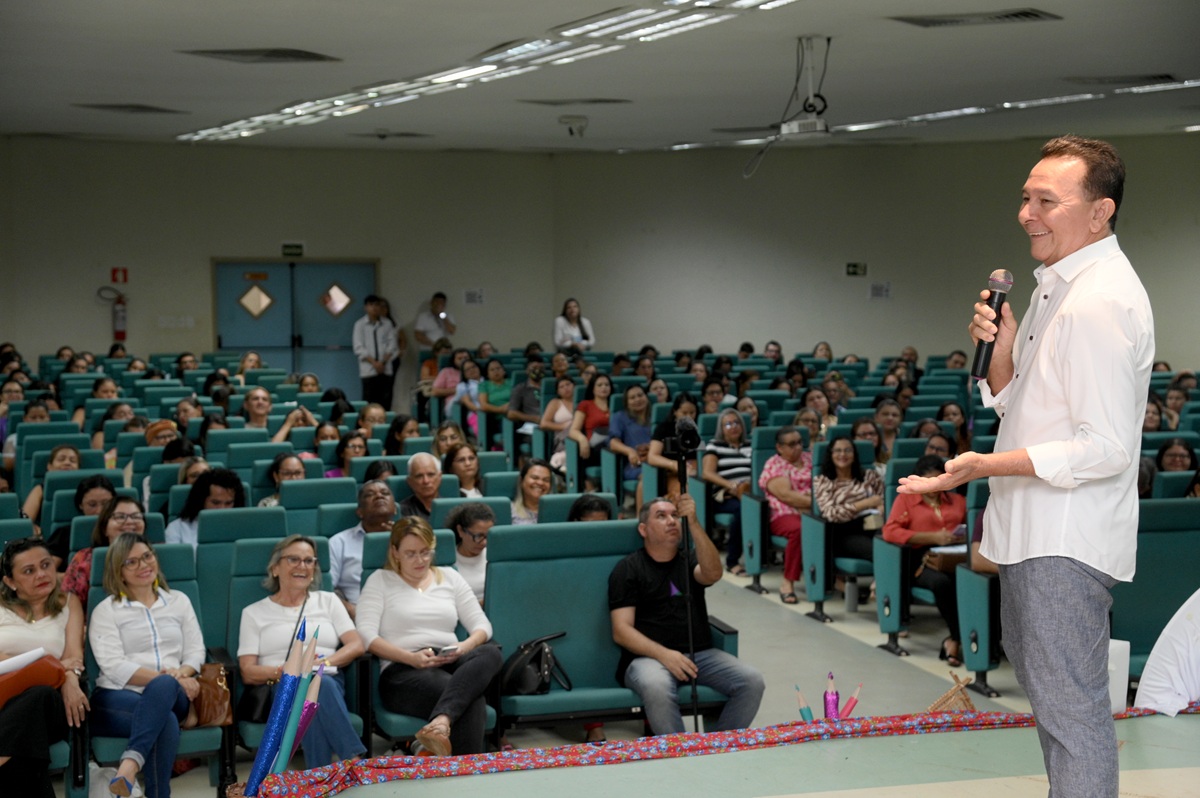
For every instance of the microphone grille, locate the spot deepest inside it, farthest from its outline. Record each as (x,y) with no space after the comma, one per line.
(1000,280)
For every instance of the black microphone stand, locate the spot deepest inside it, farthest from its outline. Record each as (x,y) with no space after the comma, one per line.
(681,463)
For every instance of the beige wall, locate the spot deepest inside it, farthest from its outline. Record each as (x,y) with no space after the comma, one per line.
(675,249)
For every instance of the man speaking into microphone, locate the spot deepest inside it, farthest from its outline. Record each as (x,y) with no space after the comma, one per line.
(1070,385)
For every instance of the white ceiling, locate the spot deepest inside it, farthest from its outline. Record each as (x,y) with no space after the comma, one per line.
(58,54)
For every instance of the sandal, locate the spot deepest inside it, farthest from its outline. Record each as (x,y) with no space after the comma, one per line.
(435,739)
(788,598)
(952,660)
(736,570)
(120,786)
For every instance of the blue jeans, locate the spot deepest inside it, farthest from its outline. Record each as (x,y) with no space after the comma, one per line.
(151,722)
(330,731)
(1055,626)
(720,670)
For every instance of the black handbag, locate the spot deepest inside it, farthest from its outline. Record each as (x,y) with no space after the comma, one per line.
(255,704)
(529,670)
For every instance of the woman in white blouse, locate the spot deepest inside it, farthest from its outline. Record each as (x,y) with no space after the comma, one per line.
(36,613)
(572,330)
(269,627)
(407,615)
(147,642)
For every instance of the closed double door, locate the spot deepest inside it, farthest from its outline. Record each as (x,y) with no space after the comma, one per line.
(297,315)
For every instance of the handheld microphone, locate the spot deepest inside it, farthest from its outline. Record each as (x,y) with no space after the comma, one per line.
(688,435)
(999,283)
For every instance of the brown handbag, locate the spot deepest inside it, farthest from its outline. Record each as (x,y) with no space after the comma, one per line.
(213,705)
(46,671)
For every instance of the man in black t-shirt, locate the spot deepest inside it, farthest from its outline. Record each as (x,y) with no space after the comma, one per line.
(648,605)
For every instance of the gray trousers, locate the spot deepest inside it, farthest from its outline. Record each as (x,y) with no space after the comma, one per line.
(1054,613)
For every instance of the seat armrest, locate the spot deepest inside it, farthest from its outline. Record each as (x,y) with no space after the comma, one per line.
(725,637)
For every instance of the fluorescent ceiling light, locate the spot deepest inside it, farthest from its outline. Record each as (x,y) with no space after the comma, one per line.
(1021,105)
(460,73)
(525,49)
(396,100)
(439,88)
(570,59)
(1192,129)
(938,116)
(861,126)
(506,73)
(668,29)
(588,25)
(351,109)
(775,4)
(1153,87)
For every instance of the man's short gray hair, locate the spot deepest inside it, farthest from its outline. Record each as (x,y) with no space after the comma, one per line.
(417,458)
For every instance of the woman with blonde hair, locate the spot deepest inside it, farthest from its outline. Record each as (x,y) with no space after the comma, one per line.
(147,641)
(407,615)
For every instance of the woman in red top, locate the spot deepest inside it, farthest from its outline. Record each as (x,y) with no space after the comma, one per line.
(925,520)
(589,428)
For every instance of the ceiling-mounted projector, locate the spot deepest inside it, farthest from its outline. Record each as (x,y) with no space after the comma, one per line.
(811,128)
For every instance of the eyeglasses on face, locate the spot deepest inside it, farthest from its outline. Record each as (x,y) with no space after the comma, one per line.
(477,537)
(133,562)
(293,560)
(413,554)
(122,518)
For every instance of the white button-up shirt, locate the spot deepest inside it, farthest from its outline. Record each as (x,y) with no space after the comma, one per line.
(1076,402)
(126,635)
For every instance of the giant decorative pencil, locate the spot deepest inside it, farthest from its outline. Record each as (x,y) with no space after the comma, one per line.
(281,707)
(287,742)
(831,698)
(802,705)
(311,703)
(851,702)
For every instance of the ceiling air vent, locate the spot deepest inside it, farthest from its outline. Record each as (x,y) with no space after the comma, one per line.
(268,55)
(578,101)
(982,18)
(128,108)
(383,135)
(1122,80)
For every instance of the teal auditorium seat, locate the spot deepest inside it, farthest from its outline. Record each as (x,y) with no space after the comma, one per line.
(819,563)
(179,566)
(82,527)
(301,497)
(501,507)
(15,529)
(978,604)
(393,725)
(249,566)
(1168,539)
(894,591)
(219,440)
(218,530)
(10,507)
(553,508)
(548,578)
(334,518)
(67,482)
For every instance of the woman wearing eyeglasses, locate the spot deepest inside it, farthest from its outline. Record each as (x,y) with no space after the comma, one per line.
(147,641)
(726,464)
(353,444)
(407,615)
(269,627)
(471,523)
(121,514)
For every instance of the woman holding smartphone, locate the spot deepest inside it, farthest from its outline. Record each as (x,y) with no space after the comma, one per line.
(407,615)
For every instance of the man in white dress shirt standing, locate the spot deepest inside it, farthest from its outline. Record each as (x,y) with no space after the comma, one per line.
(1070,384)
(375,346)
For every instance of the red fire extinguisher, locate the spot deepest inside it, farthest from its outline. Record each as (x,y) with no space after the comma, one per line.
(118,318)
(120,309)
